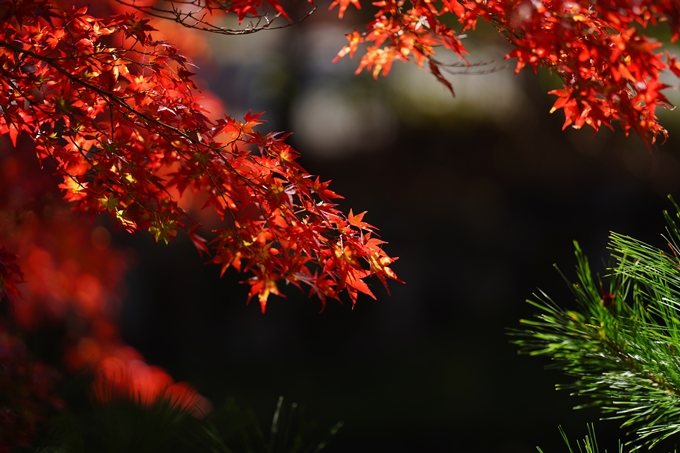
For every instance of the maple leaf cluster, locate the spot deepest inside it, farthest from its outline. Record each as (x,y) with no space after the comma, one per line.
(609,69)
(124,124)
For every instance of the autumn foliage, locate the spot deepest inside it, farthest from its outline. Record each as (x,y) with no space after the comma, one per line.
(126,129)
(113,110)
(609,69)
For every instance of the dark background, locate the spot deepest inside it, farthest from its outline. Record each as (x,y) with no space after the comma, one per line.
(478,203)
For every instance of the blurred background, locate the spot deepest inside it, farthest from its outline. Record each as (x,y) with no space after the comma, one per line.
(479,195)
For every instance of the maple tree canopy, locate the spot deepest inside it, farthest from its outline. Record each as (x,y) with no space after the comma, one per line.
(118,112)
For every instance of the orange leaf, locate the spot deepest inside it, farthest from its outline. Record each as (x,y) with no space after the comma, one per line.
(344,4)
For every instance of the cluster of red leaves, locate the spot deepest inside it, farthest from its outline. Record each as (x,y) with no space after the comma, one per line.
(610,71)
(116,109)
(403,34)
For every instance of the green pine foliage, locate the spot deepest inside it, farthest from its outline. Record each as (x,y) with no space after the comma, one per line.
(128,426)
(588,445)
(233,430)
(622,342)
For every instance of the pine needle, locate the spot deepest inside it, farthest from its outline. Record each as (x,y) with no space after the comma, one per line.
(621,344)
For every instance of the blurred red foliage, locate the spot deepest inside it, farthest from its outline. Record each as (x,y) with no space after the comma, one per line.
(73,277)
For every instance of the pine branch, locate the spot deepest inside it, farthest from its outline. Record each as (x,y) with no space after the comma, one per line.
(588,445)
(126,425)
(620,344)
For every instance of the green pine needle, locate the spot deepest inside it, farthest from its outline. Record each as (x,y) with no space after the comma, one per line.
(589,444)
(622,343)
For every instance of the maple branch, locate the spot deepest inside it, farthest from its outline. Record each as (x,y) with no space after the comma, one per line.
(112,98)
(37,105)
(116,102)
(297,235)
(198,17)
(467,67)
